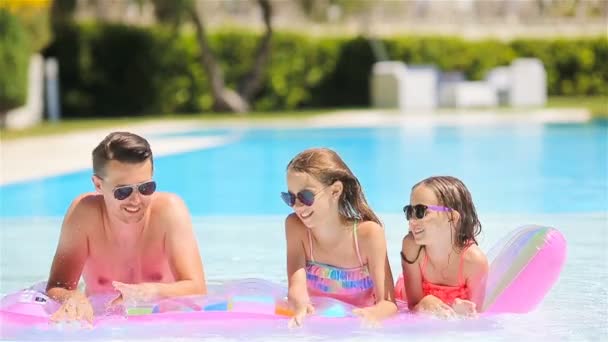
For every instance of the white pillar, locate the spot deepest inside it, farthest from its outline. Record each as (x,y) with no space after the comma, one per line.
(528,83)
(52,89)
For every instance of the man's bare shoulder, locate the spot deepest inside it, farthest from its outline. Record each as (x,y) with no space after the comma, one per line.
(85,211)
(169,209)
(163,199)
(166,202)
(89,199)
(86,204)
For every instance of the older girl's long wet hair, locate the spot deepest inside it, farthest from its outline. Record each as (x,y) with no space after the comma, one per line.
(327,167)
(452,193)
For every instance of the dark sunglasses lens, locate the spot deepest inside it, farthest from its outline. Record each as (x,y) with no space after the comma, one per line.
(420,211)
(307,197)
(288,198)
(147,189)
(408,212)
(122,193)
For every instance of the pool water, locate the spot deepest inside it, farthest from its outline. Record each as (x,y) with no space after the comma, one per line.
(554,175)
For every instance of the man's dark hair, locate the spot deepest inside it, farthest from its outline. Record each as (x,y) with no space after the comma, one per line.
(124,147)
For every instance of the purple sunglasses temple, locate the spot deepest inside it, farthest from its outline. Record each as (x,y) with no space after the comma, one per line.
(438,208)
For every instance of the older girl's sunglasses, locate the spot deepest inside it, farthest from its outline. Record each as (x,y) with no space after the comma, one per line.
(306,197)
(419,210)
(123,192)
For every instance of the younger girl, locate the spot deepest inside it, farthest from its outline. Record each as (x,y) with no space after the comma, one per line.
(444,270)
(335,243)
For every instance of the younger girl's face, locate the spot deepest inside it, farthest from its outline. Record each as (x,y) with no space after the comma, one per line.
(311,200)
(434,224)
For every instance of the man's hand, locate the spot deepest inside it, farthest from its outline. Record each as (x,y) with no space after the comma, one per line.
(76,308)
(131,294)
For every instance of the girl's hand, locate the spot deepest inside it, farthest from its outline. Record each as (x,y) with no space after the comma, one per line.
(436,307)
(368,319)
(299,314)
(464,307)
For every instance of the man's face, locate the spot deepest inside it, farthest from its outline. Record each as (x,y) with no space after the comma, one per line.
(120,178)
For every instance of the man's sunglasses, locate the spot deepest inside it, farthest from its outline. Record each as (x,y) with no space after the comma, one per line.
(306,197)
(419,210)
(123,192)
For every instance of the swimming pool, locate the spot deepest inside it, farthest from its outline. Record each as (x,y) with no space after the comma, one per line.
(551,174)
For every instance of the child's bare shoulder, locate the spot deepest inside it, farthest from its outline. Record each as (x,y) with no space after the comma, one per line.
(474,257)
(369,229)
(294,226)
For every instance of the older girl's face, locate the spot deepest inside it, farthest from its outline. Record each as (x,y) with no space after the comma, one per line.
(310,199)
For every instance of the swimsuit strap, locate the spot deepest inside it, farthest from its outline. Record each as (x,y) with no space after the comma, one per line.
(312,258)
(357,244)
(461,280)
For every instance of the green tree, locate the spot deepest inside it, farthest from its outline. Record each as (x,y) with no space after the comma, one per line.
(14,58)
(319,10)
(225,99)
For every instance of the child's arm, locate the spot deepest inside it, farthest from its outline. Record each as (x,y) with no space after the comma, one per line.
(373,245)
(416,300)
(412,279)
(476,272)
(297,294)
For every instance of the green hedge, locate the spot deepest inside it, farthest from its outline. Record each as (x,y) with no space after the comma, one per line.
(115,70)
(574,67)
(110,70)
(14,59)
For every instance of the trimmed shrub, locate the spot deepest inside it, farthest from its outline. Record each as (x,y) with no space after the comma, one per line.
(109,70)
(14,59)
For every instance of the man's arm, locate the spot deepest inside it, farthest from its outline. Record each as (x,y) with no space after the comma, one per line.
(71,253)
(182,251)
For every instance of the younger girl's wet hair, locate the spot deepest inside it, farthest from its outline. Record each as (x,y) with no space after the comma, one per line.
(327,167)
(452,193)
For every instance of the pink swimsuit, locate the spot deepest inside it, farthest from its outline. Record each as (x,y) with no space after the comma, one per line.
(350,285)
(444,292)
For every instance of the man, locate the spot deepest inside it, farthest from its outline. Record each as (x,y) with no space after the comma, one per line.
(125,237)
